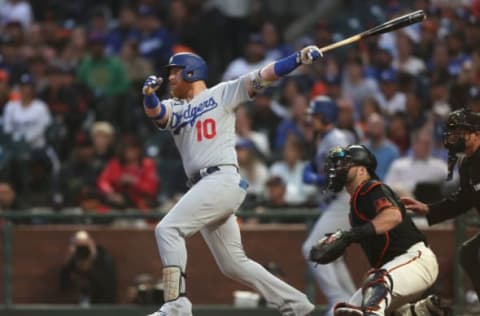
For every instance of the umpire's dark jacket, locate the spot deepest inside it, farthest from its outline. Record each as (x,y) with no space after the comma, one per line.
(467,196)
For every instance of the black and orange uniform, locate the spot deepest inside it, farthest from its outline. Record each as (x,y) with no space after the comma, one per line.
(368,200)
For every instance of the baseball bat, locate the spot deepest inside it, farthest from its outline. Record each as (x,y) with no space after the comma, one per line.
(390,25)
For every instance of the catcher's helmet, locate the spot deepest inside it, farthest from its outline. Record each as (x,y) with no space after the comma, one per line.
(363,157)
(326,107)
(194,67)
(340,159)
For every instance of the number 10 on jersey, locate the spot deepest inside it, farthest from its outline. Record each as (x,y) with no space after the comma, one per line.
(206,128)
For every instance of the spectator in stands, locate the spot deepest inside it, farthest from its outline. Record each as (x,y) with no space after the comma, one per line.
(276,198)
(290,88)
(89,272)
(275,48)
(76,48)
(16,10)
(243,128)
(440,59)
(129,180)
(405,61)
(9,200)
(155,41)
(333,84)
(26,121)
(136,66)
(369,107)
(254,58)
(5,93)
(69,102)
(346,121)
(276,195)
(428,36)
(126,30)
(457,51)
(389,97)
(381,60)
(296,125)
(265,116)
(290,169)
(398,132)
(383,149)
(417,116)
(102,134)
(252,169)
(440,95)
(407,172)
(27,118)
(76,175)
(354,86)
(107,78)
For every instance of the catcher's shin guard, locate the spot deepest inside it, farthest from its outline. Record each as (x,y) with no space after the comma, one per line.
(173,283)
(377,292)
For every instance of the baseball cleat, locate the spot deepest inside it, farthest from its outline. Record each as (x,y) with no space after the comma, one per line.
(180,307)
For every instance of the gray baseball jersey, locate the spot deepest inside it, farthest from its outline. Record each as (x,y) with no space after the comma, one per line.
(204,132)
(204,128)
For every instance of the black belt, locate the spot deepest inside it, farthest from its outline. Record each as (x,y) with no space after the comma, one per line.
(203,173)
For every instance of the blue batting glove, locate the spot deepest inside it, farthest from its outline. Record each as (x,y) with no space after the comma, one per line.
(151,85)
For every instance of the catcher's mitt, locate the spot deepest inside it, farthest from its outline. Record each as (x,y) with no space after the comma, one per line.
(330,247)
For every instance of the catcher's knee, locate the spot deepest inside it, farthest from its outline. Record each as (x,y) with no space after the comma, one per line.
(376,288)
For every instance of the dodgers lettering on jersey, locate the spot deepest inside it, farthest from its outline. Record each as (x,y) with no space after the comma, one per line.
(204,128)
(190,114)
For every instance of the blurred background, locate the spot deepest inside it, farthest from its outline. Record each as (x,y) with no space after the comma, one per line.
(84,175)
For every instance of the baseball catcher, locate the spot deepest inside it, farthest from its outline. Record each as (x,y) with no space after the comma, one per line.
(403,266)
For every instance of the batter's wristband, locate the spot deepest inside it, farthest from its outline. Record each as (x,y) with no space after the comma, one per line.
(150,101)
(286,65)
(163,110)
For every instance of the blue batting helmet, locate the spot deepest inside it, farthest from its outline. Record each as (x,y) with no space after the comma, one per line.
(194,67)
(326,107)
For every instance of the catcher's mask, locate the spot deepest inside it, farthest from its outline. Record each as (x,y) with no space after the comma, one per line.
(341,159)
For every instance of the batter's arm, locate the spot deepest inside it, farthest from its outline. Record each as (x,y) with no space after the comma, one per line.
(277,69)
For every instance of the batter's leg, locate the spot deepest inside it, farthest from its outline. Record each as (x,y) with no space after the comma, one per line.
(214,197)
(224,240)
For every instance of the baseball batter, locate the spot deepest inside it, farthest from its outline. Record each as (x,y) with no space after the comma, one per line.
(202,122)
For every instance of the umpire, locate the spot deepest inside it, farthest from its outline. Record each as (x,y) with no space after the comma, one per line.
(461,135)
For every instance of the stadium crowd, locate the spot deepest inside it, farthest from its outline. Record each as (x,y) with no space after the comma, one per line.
(73,134)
